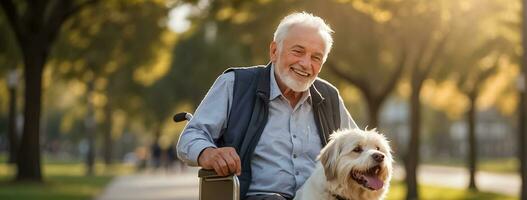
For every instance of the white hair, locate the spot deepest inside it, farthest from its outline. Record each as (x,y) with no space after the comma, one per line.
(305,19)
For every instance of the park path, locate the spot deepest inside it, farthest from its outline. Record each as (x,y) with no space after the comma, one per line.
(163,185)
(154,185)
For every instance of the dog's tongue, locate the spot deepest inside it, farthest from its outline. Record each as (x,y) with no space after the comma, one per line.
(373,182)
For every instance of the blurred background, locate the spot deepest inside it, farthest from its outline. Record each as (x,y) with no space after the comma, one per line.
(88,88)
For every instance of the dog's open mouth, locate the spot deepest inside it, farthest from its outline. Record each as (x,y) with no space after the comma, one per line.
(369,178)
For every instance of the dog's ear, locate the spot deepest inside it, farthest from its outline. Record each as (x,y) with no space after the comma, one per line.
(328,157)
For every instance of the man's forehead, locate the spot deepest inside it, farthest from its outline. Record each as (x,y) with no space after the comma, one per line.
(305,37)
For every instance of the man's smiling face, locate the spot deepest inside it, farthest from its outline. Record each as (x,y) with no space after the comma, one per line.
(299,59)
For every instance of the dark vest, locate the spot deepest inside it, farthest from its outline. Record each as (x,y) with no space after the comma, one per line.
(250,110)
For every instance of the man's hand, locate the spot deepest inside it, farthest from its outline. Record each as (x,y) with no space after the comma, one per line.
(224,161)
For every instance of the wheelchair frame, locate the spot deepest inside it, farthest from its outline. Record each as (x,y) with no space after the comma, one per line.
(211,185)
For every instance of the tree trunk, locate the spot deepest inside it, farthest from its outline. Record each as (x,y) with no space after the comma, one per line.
(90,132)
(522,121)
(12,132)
(157,132)
(472,148)
(412,156)
(36,25)
(108,142)
(34,59)
(522,131)
(374,108)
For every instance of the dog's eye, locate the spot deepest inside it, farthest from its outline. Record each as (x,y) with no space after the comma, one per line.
(378,149)
(358,149)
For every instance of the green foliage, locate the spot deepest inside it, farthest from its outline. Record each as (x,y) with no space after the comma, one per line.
(226,34)
(110,50)
(126,37)
(365,47)
(9,52)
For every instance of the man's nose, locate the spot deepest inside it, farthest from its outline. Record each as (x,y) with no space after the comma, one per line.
(305,61)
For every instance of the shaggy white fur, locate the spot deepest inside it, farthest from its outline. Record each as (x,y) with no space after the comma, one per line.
(355,165)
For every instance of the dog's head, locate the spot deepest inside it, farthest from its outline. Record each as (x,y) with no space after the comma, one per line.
(358,160)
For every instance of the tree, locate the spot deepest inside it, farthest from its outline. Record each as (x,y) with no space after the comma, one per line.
(471,73)
(472,65)
(394,35)
(471,88)
(9,58)
(522,119)
(225,34)
(115,56)
(427,48)
(372,59)
(36,25)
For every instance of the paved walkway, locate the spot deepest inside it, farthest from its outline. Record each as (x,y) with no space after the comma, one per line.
(158,185)
(184,186)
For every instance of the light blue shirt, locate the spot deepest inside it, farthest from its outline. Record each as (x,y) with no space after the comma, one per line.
(284,157)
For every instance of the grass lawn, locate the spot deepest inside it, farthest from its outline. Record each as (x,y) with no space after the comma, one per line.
(505,165)
(61,181)
(398,191)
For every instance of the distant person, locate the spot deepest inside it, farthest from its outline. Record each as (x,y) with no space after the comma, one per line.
(156,152)
(141,154)
(171,158)
(267,124)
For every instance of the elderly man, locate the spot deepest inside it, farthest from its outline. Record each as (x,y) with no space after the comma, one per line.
(267,124)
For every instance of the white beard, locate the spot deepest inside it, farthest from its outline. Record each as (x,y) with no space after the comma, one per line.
(290,82)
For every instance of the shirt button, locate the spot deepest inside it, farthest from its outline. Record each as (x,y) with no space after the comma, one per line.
(294,136)
(297,173)
(294,155)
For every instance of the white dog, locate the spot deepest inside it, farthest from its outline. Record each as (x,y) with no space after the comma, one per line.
(354,165)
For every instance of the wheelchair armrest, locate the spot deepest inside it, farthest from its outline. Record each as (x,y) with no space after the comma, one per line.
(209,173)
(214,187)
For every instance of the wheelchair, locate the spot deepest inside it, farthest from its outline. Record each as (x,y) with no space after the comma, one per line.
(211,185)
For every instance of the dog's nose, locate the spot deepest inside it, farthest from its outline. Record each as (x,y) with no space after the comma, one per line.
(378,157)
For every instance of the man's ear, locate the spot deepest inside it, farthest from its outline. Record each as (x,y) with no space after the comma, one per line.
(273,51)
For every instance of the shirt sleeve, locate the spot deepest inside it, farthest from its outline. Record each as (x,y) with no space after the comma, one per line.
(346,121)
(209,120)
